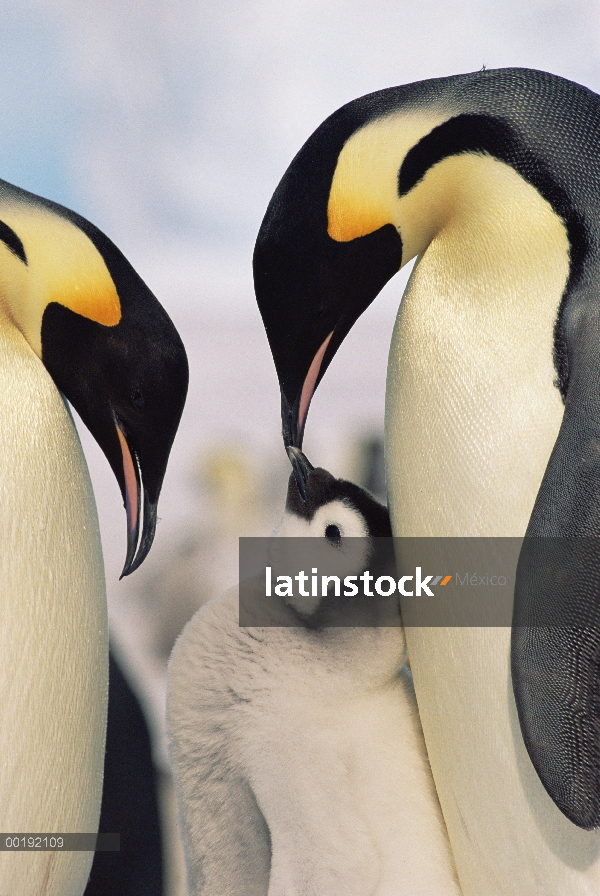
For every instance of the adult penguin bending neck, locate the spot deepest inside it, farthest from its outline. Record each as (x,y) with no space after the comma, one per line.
(492,416)
(74,317)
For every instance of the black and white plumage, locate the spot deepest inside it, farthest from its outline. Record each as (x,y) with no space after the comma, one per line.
(490,179)
(297,750)
(325,501)
(76,322)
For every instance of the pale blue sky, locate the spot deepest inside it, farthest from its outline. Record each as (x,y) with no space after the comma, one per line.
(38,118)
(169,125)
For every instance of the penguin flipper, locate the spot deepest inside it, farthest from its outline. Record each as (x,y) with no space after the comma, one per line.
(555,651)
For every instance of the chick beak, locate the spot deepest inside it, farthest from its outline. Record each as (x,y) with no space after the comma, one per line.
(301,467)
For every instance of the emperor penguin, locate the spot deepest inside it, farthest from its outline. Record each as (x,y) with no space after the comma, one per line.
(491,181)
(76,323)
(296,746)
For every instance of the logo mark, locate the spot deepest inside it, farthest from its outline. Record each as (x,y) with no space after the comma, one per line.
(421,584)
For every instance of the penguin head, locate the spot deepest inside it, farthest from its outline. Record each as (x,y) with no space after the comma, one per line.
(333,509)
(105,340)
(311,282)
(368,191)
(340,530)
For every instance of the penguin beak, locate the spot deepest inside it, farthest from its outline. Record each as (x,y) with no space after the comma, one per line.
(293,418)
(302,468)
(290,430)
(133,506)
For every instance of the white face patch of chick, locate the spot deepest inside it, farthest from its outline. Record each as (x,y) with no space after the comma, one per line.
(350,523)
(347,519)
(343,548)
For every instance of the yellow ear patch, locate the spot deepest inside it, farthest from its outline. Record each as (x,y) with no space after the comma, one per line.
(84,285)
(63,266)
(364,189)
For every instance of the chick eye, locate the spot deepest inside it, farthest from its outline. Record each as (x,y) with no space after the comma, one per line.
(333,534)
(138,399)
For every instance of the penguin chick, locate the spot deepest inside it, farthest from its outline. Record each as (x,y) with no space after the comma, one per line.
(297,751)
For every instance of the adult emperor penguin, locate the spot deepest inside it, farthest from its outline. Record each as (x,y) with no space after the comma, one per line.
(74,317)
(492,181)
(296,745)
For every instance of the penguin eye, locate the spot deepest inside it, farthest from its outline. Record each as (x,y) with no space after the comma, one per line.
(333,534)
(138,399)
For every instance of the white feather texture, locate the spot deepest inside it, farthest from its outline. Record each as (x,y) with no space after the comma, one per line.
(472,415)
(53,629)
(299,760)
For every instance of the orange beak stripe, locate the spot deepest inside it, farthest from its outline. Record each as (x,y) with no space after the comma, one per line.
(309,383)
(131,485)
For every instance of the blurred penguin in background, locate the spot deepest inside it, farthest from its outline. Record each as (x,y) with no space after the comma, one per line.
(129,800)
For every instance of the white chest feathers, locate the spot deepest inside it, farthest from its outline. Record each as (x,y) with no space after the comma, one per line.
(53,631)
